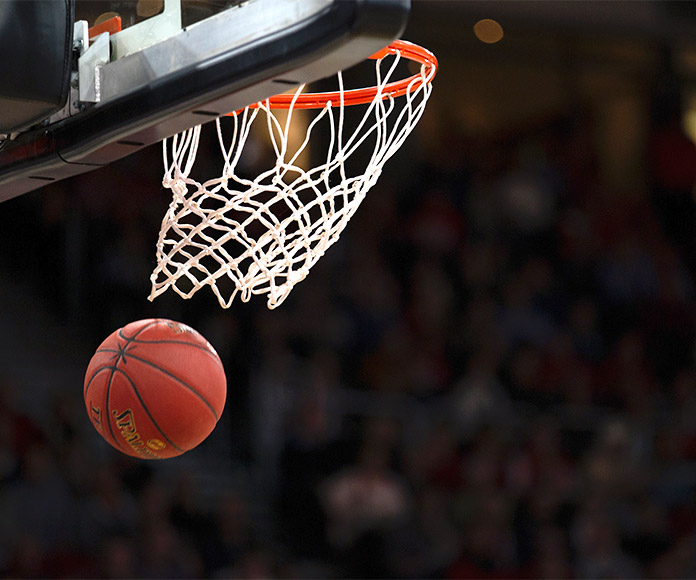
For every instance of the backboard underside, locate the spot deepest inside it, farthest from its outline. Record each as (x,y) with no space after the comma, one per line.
(124,99)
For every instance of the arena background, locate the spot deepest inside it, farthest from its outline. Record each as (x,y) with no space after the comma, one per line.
(491,375)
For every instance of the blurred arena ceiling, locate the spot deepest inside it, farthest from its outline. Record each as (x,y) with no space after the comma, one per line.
(657,19)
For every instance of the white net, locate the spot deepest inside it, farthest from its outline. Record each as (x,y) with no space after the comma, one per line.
(262,236)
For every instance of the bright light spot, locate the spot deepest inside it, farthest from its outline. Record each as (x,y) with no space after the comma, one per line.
(488,31)
(689,119)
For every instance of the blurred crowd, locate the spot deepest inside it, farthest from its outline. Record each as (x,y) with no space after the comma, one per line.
(492,375)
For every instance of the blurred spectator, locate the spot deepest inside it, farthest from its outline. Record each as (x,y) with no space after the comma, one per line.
(672,159)
(586,334)
(597,543)
(313,451)
(118,558)
(626,273)
(520,319)
(427,542)
(234,536)
(108,509)
(679,561)
(163,553)
(39,503)
(552,555)
(27,559)
(364,503)
(479,398)
(488,548)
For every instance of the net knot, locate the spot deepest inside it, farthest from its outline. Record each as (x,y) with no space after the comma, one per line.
(178,188)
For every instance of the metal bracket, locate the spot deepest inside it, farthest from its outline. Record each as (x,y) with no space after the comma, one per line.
(88,68)
(81,37)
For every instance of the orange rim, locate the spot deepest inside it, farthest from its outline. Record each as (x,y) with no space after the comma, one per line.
(365,95)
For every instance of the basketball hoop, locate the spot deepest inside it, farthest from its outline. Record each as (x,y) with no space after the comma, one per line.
(262,236)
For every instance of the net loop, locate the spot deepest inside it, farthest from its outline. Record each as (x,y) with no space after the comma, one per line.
(261,236)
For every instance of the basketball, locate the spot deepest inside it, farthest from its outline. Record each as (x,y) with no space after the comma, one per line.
(155,389)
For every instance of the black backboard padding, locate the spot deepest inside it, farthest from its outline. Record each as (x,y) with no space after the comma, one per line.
(36,47)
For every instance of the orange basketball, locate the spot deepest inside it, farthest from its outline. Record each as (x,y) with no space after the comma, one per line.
(155,389)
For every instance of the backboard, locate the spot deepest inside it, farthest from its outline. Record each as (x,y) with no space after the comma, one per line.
(144,70)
